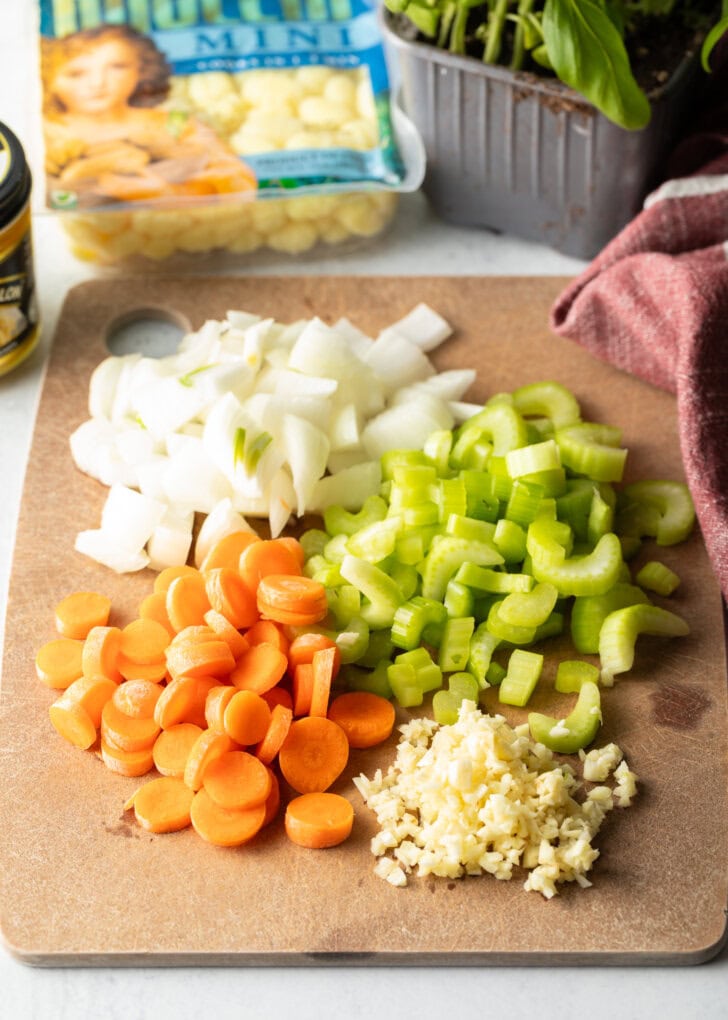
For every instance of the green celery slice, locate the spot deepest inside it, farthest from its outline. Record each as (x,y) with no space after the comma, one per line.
(549,541)
(353,640)
(572,673)
(402,680)
(437,449)
(391,459)
(383,594)
(591,574)
(339,521)
(496,581)
(577,730)
(592,449)
(589,612)
(529,609)
(509,632)
(446,554)
(428,674)
(522,675)
(459,599)
(657,577)
(524,502)
(503,425)
(673,503)
(411,619)
(482,645)
(446,703)
(313,542)
(374,542)
(548,398)
(455,644)
(466,527)
(357,678)
(526,460)
(494,674)
(344,603)
(620,630)
(509,539)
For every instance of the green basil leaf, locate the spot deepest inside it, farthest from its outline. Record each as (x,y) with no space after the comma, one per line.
(588,54)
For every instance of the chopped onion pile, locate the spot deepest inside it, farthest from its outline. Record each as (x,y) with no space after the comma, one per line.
(255,418)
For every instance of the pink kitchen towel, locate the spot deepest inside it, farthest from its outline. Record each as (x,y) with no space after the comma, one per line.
(654,302)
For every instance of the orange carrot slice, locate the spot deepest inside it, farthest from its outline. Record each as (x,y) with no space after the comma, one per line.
(71,720)
(324,672)
(222,627)
(281,718)
(92,693)
(216,702)
(303,647)
(314,754)
(200,658)
(126,763)
(319,820)
(278,696)
(155,672)
(165,577)
(259,668)
(76,614)
(137,698)
(230,596)
(237,780)
(206,749)
(294,546)
(226,552)
(59,662)
(302,688)
(125,731)
(246,718)
(273,801)
(163,805)
(154,607)
(266,557)
(187,600)
(283,596)
(101,653)
(222,826)
(183,700)
(144,641)
(267,632)
(367,719)
(172,748)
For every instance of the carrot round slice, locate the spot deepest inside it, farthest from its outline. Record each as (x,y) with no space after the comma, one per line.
(200,658)
(59,662)
(324,667)
(165,577)
(304,646)
(187,600)
(230,596)
(266,557)
(71,720)
(268,632)
(367,719)
(206,749)
(172,748)
(226,552)
(152,671)
(273,800)
(259,668)
(92,693)
(126,763)
(246,718)
(163,805)
(319,820)
(183,700)
(281,718)
(126,731)
(137,698)
(314,754)
(292,594)
(101,653)
(294,546)
(302,688)
(223,826)
(278,696)
(237,780)
(216,702)
(232,637)
(144,641)
(154,607)
(76,614)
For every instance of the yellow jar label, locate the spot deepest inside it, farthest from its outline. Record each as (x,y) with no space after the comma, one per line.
(5,158)
(18,309)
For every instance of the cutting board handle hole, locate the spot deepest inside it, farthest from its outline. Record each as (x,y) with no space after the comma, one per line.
(152,332)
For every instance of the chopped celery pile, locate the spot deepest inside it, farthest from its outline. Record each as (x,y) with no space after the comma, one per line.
(508,529)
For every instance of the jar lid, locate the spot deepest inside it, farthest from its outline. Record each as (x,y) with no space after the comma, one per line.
(14,176)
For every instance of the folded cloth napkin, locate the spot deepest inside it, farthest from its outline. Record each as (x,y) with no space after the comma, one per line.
(654,302)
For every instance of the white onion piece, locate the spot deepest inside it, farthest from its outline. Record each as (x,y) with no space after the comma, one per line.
(92,444)
(451,384)
(306,450)
(345,428)
(358,341)
(398,362)
(166,405)
(102,386)
(192,481)
(103,547)
(462,410)
(424,327)
(131,516)
(170,542)
(407,425)
(281,502)
(348,488)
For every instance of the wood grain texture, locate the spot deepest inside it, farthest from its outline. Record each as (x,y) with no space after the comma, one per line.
(80,883)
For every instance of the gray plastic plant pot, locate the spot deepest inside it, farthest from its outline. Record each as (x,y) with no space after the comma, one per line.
(527,156)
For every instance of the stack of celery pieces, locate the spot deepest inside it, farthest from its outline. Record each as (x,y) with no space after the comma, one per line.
(509,529)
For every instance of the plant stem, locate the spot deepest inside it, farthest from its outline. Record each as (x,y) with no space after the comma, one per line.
(457,38)
(445,22)
(496,23)
(519,49)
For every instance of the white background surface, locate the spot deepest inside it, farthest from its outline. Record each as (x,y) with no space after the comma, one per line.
(417,244)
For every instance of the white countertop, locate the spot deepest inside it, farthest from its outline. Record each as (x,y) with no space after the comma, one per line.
(418,243)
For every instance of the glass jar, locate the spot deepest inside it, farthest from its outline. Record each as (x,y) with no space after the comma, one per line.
(19,325)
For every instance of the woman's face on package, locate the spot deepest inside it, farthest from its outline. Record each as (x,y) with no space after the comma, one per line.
(96,82)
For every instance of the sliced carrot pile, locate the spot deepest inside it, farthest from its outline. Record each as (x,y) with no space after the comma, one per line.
(319,820)
(219,689)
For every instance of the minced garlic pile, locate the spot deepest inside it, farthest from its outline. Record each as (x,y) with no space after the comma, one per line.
(480,796)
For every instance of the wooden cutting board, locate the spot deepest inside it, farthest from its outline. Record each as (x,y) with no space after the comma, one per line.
(80,883)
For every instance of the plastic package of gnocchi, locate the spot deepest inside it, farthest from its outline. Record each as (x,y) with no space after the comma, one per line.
(175,129)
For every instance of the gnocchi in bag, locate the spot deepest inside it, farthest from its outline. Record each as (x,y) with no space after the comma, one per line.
(192,126)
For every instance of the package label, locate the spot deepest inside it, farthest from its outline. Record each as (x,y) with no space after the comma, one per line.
(159,101)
